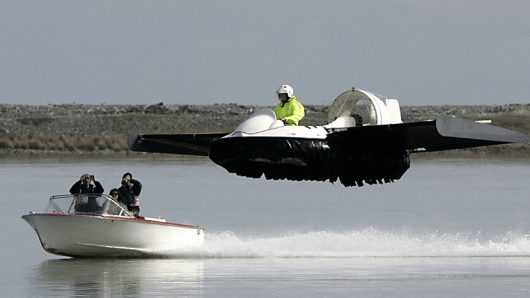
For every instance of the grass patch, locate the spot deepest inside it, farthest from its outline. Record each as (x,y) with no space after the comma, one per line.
(81,143)
(35,121)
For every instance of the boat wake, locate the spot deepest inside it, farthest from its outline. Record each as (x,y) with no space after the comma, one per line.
(359,243)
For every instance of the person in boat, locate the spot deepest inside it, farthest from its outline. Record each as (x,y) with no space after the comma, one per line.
(114,209)
(130,190)
(87,184)
(116,196)
(290,111)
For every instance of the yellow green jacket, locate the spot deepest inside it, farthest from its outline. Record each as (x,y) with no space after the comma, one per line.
(292,111)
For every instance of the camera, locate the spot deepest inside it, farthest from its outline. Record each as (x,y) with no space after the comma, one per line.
(124,182)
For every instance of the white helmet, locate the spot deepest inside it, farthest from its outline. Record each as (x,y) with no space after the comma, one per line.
(286,89)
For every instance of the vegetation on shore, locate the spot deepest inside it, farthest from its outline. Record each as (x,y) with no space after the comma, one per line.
(103,129)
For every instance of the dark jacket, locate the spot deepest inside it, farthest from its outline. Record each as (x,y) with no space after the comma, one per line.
(79,187)
(125,191)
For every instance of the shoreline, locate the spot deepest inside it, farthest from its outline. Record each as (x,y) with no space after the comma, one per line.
(460,154)
(100,131)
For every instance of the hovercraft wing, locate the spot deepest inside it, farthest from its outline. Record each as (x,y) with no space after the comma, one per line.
(455,133)
(444,133)
(189,144)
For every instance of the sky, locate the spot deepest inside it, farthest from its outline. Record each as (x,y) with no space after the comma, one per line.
(421,52)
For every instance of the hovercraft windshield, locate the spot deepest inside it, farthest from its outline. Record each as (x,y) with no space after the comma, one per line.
(358,105)
(261,120)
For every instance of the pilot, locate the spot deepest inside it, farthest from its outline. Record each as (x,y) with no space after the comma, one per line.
(290,111)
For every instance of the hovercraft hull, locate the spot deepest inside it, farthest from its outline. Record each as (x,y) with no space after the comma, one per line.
(307,159)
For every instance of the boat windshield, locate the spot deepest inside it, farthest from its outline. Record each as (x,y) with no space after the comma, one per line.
(86,204)
(356,104)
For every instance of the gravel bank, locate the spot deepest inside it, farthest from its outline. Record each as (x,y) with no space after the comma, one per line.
(103,129)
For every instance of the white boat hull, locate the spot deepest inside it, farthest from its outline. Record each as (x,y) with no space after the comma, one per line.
(78,235)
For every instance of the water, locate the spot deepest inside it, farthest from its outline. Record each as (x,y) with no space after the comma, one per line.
(448,228)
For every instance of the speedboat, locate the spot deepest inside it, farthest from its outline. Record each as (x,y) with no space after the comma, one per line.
(94,225)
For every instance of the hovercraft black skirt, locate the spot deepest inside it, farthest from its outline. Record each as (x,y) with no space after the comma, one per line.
(307,159)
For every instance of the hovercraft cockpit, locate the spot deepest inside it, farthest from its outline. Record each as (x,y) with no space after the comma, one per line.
(359,108)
